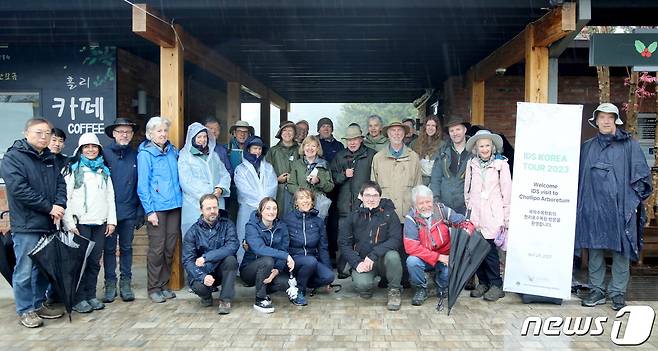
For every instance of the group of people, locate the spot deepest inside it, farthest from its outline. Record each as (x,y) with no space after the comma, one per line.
(266,214)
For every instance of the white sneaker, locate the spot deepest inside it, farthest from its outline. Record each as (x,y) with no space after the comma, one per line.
(264,305)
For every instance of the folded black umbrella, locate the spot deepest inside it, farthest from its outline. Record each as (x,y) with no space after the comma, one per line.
(62,257)
(467,251)
(7,256)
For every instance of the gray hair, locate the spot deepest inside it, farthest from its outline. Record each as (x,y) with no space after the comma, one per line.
(379,119)
(420,190)
(494,150)
(155,122)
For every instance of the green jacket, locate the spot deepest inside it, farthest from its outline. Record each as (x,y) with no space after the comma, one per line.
(298,174)
(282,158)
(377,143)
(348,188)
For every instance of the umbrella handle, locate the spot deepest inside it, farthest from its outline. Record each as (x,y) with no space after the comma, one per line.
(3,213)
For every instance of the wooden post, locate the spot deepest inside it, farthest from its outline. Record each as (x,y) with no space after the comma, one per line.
(283,115)
(265,108)
(171,108)
(477,102)
(536,69)
(232,103)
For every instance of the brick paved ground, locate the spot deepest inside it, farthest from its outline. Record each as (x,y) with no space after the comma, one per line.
(339,321)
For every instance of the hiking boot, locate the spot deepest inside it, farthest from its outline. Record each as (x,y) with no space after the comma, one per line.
(31,320)
(300,300)
(419,296)
(157,297)
(618,302)
(480,290)
(126,291)
(494,293)
(365,295)
(83,307)
(110,291)
(168,294)
(224,307)
(264,305)
(96,304)
(206,301)
(470,284)
(49,312)
(394,299)
(595,297)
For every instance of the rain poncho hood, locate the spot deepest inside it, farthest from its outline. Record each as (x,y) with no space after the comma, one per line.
(253,159)
(199,174)
(614,179)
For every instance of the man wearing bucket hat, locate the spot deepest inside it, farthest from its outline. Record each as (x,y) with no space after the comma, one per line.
(350,169)
(240,131)
(281,156)
(122,161)
(614,179)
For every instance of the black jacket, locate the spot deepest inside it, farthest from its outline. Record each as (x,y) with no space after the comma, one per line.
(348,188)
(122,160)
(34,184)
(308,235)
(213,243)
(370,233)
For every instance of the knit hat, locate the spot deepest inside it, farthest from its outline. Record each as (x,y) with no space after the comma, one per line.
(323,121)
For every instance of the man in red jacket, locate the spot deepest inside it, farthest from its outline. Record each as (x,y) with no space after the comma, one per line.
(427,242)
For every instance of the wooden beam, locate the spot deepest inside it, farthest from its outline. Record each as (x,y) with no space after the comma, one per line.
(265,121)
(477,102)
(536,69)
(554,25)
(283,115)
(232,103)
(150,28)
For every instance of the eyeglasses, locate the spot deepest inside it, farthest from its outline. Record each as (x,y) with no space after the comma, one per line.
(42,133)
(242,131)
(122,132)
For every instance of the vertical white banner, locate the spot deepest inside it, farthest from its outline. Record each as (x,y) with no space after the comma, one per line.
(544,194)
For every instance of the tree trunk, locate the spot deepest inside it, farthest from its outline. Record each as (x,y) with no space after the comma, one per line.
(603,74)
(651,202)
(633,106)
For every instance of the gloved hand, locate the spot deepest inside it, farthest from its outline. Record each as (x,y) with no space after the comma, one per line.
(139,222)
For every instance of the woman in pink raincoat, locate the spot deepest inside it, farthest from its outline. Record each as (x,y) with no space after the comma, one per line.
(487,193)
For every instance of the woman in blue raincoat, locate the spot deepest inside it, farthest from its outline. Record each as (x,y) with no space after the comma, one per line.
(255,180)
(200,172)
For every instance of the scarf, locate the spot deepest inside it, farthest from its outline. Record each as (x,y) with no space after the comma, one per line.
(94,165)
(254,160)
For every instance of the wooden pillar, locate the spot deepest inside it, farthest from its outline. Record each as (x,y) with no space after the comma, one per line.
(536,69)
(283,115)
(232,103)
(171,108)
(477,102)
(265,108)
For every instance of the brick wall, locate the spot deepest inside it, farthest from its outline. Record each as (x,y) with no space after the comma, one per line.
(502,93)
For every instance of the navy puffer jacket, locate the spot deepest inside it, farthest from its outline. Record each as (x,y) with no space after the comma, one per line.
(308,235)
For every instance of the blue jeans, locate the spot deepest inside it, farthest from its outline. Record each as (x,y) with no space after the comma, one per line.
(29,283)
(310,273)
(125,231)
(417,268)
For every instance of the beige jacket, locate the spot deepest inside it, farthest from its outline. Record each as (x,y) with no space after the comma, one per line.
(397,177)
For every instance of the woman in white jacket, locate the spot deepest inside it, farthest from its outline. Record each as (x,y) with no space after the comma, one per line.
(90,212)
(255,180)
(200,172)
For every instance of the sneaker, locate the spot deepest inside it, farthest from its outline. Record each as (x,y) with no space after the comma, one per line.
(595,297)
(365,295)
(31,320)
(126,291)
(480,290)
(83,307)
(110,291)
(618,302)
(157,297)
(168,294)
(206,301)
(224,307)
(419,296)
(49,312)
(494,293)
(441,295)
(96,304)
(394,299)
(265,305)
(300,300)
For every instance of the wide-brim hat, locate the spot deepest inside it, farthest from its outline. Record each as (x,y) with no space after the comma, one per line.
(608,108)
(407,130)
(243,124)
(456,120)
(120,122)
(283,125)
(87,139)
(353,131)
(485,134)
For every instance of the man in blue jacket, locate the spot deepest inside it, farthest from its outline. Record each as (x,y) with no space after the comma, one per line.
(36,194)
(122,160)
(209,251)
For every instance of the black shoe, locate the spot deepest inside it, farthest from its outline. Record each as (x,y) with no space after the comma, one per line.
(479,290)
(618,302)
(470,284)
(206,302)
(595,297)
(494,293)
(419,296)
